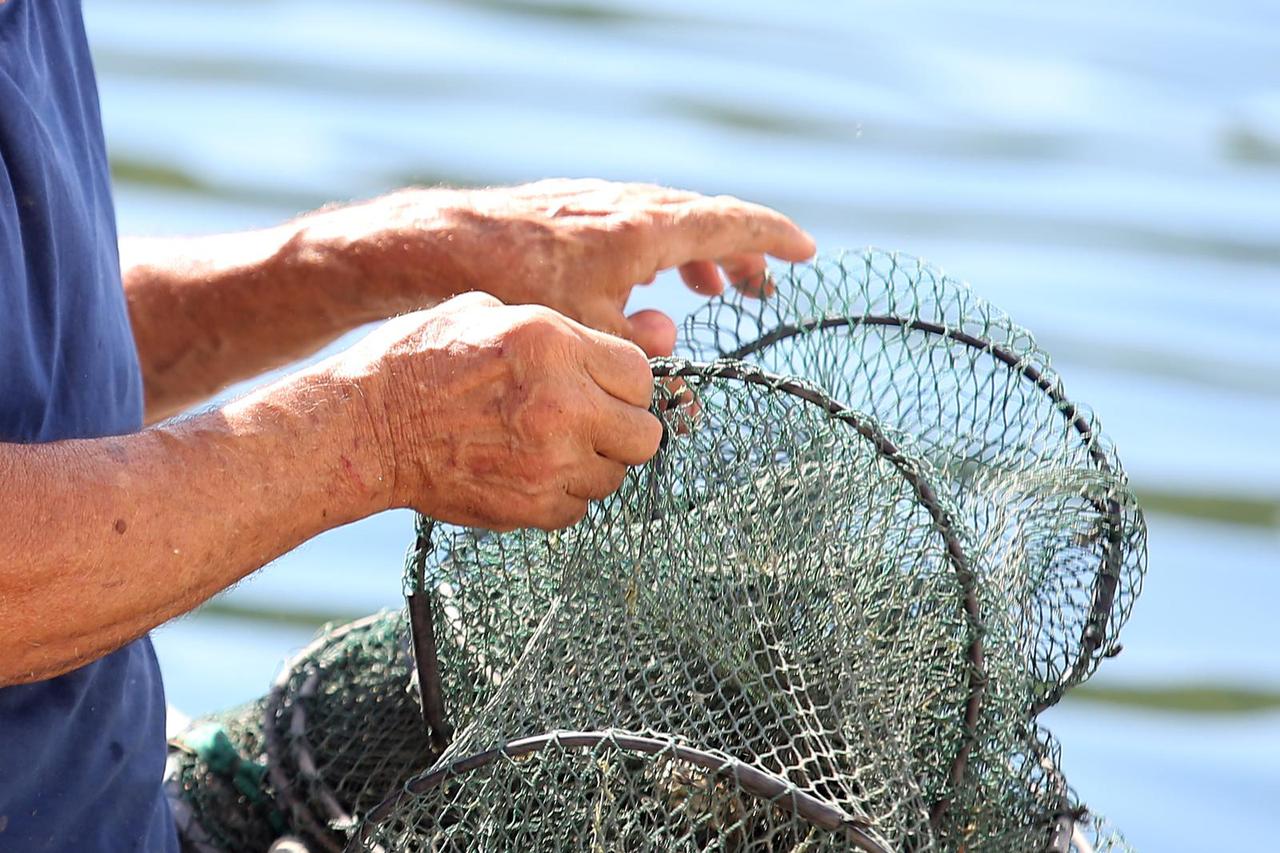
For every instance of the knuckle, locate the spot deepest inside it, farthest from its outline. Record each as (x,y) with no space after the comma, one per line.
(726,201)
(637,364)
(631,225)
(640,379)
(537,325)
(622,243)
(399,328)
(644,187)
(628,360)
(472,299)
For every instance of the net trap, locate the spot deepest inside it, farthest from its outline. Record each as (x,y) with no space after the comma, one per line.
(878,541)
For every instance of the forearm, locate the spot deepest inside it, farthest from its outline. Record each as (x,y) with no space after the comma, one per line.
(104,539)
(211,311)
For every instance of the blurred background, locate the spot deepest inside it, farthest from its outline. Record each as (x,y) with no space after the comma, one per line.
(1109,173)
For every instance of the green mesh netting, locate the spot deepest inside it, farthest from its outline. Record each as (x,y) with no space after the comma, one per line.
(342,727)
(215,780)
(877,542)
(609,791)
(1028,469)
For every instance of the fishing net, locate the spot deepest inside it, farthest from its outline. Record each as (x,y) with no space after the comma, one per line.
(215,779)
(877,542)
(342,727)
(1028,470)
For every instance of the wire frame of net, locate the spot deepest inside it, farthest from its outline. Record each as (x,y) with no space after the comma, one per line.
(1076,829)
(608,790)
(1029,471)
(212,813)
(782,584)
(342,727)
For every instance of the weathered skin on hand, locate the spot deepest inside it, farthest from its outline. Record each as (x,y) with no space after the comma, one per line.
(578,246)
(503,416)
(214,310)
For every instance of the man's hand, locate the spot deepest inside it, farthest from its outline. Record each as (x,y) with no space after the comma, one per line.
(499,416)
(578,246)
(210,311)
(474,412)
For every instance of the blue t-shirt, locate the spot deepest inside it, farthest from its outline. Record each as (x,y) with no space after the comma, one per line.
(81,755)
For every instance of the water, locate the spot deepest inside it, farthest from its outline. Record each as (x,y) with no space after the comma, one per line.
(1109,173)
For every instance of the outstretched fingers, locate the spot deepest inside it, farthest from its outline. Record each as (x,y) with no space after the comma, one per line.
(731,229)
(704,236)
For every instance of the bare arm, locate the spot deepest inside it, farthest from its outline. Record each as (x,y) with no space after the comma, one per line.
(104,539)
(211,311)
(101,540)
(473,412)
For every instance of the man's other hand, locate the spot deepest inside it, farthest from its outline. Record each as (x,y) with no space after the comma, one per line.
(578,246)
(499,416)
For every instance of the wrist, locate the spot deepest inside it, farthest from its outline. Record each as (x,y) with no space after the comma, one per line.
(322,426)
(391,255)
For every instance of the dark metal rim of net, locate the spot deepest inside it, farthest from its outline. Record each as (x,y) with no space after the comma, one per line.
(425,653)
(753,780)
(1108,579)
(292,802)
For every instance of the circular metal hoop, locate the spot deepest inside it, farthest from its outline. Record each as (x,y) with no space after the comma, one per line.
(293,803)
(1108,579)
(752,780)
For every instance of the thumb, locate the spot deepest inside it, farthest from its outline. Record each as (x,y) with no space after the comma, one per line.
(653,331)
